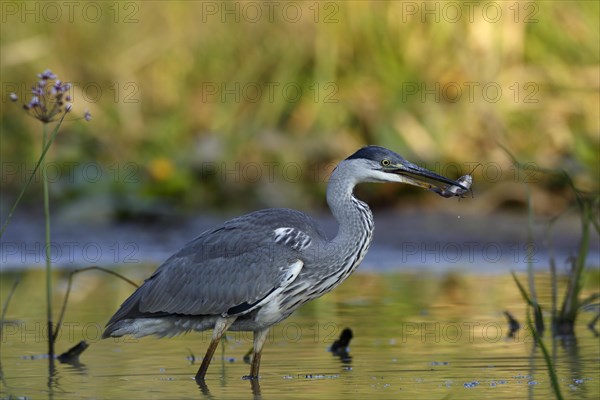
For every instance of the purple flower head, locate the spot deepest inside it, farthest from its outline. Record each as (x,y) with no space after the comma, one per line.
(37,90)
(34,102)
(87,115)
(46,75)
(60,87)
(49,98)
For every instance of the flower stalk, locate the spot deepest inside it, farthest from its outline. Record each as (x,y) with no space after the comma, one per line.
(50,102)
(48,259)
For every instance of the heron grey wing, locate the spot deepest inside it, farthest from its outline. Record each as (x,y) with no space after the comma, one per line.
(234,265)
(224,272)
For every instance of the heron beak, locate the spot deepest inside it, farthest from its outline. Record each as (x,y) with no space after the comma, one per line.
(421,177)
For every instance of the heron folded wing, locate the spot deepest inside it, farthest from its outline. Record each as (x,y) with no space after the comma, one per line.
(209,280)
(238,264)
(291,273)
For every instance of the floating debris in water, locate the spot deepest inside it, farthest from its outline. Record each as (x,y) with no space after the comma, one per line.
(513,325)
(577,382)
(532,383)
(436,363)
(191,357)
(35,357)
(470,385)
(342,343)
(340,347)
(318,376)
(248,356)
(71,356)
(528,377)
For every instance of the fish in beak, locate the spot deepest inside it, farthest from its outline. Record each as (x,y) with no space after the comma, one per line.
(422,177)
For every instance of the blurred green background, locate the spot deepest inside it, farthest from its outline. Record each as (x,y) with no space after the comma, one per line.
(238,105)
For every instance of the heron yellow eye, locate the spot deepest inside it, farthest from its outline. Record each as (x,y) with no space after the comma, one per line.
(385,162)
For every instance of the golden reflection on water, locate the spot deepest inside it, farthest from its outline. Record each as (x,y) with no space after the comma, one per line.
(416,334)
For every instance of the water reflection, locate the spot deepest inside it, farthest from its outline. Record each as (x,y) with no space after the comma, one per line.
(437,357)
(254,389)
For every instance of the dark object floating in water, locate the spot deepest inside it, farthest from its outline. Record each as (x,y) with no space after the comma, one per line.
(513,325)
(72,355)
(343,342)
(248,356)
(340,347)
(191,357)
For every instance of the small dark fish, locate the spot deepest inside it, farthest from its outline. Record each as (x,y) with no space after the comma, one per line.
(454,190)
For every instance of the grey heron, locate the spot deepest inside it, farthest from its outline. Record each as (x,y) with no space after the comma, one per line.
(253,271)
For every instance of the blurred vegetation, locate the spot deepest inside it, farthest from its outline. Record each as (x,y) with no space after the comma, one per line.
(211,105)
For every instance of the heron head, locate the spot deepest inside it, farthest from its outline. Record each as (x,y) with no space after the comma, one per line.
(379,164)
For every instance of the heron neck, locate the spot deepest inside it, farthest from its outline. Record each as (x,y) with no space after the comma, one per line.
(354,217)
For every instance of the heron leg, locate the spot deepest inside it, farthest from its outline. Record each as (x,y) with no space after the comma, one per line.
(221,327)
(260,337)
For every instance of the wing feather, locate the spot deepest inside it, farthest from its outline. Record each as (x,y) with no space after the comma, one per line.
(238,264)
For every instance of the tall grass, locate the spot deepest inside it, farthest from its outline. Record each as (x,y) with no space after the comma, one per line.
(563,320)
(564,323)
(538,339)
(586,206)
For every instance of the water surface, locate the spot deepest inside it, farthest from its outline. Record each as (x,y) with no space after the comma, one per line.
(425,335)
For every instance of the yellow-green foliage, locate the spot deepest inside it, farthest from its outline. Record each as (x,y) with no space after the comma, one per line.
(389,73)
